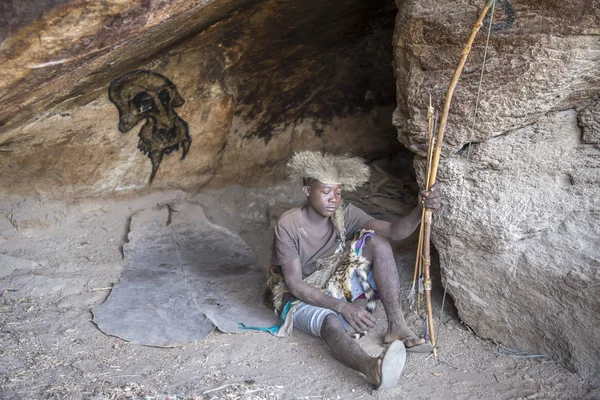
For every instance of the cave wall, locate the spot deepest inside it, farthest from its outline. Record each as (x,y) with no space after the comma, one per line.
(257,79)
(518,232)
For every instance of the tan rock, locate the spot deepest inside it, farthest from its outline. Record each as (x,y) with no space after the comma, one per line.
(516,232)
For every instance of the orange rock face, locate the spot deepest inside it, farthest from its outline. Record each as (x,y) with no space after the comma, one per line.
(256,81)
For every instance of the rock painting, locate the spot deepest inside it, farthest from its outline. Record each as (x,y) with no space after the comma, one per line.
(145,95)
(504,16)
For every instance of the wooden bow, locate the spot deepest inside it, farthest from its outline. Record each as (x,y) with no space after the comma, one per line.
(433,164)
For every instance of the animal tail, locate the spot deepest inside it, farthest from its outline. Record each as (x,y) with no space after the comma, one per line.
(368,290)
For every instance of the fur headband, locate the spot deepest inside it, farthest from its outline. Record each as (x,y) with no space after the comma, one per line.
(347,170)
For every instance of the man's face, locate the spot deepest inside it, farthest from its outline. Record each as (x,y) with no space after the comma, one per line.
(323,198)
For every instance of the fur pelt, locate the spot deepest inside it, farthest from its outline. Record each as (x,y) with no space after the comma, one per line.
(333,273)
(276,289)
(347,170)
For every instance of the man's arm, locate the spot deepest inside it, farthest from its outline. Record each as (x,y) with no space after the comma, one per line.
(398,230)
(405,226)
(358,317)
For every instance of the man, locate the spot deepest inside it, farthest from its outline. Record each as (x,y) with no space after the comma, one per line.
(309,238)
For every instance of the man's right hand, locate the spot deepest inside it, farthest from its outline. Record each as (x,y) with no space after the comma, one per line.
(358,317)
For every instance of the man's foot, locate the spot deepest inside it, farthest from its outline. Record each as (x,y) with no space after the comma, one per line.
(386,372)
(416,345)
(410,340)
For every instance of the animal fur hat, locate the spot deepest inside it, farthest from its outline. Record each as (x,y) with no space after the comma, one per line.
(349,171)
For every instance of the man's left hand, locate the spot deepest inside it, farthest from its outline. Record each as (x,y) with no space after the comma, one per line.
(431,199)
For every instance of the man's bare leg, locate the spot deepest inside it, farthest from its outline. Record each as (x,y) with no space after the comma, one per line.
(379,252)
(347,350)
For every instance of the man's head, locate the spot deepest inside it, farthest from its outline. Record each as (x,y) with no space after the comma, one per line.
(324,176)
(324,198)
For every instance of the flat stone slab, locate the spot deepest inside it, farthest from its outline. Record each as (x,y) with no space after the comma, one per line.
(183,277)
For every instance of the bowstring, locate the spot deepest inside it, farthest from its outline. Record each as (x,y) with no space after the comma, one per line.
(462,184)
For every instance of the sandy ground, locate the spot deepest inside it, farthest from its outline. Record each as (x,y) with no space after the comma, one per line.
(60,260)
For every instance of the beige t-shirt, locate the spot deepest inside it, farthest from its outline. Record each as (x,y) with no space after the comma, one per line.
(291,239)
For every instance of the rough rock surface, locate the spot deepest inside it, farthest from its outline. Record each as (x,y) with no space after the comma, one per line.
(256,81)
(518,234)
(589,121)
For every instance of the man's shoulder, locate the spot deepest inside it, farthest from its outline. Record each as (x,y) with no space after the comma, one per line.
(355,217)
(289,224)
(291,213)
(349,208)
(291,216)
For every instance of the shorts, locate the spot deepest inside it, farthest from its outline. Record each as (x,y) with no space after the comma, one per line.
(309,318)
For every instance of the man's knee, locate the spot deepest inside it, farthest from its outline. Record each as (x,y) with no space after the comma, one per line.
(376,244)
(331,322)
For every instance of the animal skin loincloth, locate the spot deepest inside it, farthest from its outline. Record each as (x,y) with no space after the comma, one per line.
(277,294)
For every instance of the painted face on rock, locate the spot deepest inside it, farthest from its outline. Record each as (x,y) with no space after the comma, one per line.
(324,198)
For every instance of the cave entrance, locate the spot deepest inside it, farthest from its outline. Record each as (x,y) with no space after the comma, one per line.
(325,81)
(331,86)
(328,83)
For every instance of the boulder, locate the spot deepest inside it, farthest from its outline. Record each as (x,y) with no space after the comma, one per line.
(518,232)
